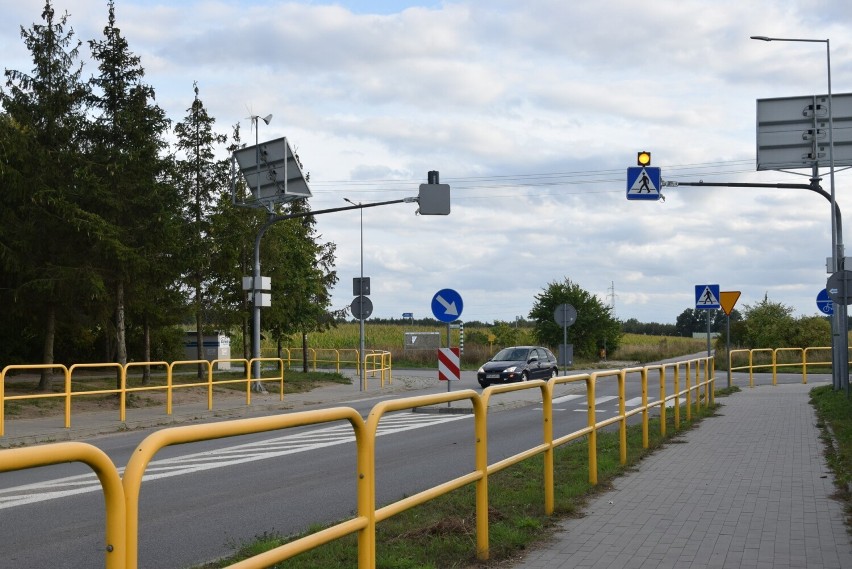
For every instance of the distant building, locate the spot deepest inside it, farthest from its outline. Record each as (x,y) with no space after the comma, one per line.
(216,347)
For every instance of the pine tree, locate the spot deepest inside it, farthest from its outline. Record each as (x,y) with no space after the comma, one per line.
(129,154)
(201,179)
(53,229)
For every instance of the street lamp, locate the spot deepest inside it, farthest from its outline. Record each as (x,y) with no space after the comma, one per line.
(835,245)
(836,239)
(360,294)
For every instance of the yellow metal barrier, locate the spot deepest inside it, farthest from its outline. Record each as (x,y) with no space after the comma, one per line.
(479,476)
(332,357)
(4,397)
(806,361)
(115,542)
(123,389)
(803,362)
(122,496)
(364,522)
(377,362)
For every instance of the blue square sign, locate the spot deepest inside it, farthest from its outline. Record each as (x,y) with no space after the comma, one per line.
(707,297)
(643,183)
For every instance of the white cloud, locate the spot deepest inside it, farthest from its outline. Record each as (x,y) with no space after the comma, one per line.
(531,111)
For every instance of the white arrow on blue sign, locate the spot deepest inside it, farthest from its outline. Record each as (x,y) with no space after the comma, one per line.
(824,303)
(447,305)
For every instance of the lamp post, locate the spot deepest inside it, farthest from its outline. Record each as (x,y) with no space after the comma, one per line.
(361,359)
(255,289)
(837,253)
(834,240)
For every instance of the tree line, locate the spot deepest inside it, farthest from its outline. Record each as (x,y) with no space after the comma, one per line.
(112,238)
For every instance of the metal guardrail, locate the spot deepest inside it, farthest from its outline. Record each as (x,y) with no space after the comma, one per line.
(123,389)
(122,496)
(772,361)
(321,358)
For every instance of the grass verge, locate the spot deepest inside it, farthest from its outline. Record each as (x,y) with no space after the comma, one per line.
(834,411)
(441,533)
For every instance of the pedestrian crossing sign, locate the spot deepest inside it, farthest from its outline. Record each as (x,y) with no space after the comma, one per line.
(643,183)
(707,297)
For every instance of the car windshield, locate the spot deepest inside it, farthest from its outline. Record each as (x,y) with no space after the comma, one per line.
(511,355)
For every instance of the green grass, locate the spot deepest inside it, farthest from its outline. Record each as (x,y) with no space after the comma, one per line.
(834,410)
(441,533)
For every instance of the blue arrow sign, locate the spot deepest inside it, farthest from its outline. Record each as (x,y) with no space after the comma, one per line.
(643,183)
(707,297)
(824,303)
(447,305)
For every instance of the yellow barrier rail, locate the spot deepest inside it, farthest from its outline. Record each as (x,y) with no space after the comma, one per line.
(122,495)
(146,450)
(375,361)
(115,535)
(774,361)
(122,389)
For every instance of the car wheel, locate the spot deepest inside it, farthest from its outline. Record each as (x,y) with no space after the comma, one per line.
(483,384)
(553,373)
(525,376)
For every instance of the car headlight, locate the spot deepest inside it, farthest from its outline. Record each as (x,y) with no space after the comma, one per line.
(512,369)
(481,370)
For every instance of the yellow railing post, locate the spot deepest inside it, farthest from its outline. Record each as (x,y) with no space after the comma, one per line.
(663,417)
(644,379)
(688,390)
(775,367)
(593,435)
(751,368)
(698,385)
(622,428)
(713,381)
(115,533)
(677,395)
(549,466)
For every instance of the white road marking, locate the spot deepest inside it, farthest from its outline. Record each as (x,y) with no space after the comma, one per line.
(227,456)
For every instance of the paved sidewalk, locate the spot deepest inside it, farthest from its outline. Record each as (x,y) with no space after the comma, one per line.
(748,489)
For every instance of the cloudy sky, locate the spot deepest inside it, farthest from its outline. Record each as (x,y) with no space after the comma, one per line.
(532,112)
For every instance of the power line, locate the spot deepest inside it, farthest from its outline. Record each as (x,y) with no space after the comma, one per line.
(537,179)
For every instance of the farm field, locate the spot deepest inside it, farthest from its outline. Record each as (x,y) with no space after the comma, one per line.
(480,343)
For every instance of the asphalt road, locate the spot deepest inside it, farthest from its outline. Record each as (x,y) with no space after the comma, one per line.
(198,501)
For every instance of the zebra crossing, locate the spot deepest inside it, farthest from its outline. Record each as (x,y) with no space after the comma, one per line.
(264,449)
(564,403)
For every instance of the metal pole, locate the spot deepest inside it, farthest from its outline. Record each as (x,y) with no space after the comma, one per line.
(565,339)
(255,282)
(449,345)
(363,363)
(708,333)
(840,361)
(728,348)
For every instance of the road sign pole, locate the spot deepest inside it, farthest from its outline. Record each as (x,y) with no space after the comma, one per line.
(449,345)
(728,348)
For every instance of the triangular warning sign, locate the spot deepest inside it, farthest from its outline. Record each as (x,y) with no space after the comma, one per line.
(707,298)
(643,184)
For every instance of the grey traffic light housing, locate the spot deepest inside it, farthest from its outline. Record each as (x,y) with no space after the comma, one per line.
(434,198)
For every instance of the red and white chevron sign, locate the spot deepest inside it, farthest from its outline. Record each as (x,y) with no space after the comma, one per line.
(448,364)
